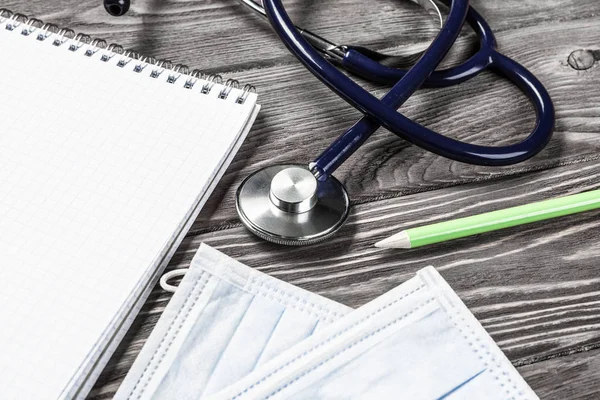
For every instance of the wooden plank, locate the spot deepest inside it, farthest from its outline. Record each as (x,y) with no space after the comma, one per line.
(190,31)
(574,376)
(300,118)
(534,288)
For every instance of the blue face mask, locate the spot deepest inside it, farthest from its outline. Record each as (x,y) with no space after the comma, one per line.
(231,332)
(224,321)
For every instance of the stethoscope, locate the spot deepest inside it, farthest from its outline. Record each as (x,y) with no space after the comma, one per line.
(296,204)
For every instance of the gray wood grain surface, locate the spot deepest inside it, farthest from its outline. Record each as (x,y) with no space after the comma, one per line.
(535,288)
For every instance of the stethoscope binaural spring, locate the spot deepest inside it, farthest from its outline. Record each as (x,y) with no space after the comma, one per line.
(302,204)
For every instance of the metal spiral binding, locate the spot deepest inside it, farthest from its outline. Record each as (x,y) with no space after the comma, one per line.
(173,73)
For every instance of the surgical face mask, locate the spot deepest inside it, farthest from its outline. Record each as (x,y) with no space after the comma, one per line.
(224,321)
(231,332)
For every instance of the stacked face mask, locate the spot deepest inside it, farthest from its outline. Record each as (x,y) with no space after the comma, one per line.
(231,332)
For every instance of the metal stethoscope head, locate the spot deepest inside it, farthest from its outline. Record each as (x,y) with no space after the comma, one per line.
(288,204)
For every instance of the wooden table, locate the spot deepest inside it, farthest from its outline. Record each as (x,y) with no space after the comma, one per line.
(535,288)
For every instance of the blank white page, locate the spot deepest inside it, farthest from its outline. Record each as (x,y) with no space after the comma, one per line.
(99,168)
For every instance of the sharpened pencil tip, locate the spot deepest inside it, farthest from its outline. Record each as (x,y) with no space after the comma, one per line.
(397,241)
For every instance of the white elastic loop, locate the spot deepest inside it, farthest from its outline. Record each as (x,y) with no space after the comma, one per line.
(169,275)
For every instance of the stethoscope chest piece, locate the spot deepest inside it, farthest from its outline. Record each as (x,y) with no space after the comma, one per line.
(286,204)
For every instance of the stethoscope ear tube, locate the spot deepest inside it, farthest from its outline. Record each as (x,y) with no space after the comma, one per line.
(285,204)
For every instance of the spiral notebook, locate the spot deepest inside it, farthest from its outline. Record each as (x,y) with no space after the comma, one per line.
(106,159)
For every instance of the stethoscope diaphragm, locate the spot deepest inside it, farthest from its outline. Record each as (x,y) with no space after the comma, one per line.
(287,204)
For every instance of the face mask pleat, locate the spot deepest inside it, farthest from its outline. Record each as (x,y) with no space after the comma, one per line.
(242,326)
(246,345)
(292,329)
(204,344)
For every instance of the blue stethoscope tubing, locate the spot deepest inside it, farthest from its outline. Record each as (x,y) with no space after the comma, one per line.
(384,112)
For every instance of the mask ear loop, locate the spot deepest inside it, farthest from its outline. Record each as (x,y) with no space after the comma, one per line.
(164,280)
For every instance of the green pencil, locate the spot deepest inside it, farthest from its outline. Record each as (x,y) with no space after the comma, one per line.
(492,221)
